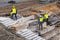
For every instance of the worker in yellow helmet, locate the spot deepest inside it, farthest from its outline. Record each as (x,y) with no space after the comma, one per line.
(14,12)
(46,18)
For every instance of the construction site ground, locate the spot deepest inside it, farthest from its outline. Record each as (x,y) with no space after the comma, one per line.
(6,35)
(34,9)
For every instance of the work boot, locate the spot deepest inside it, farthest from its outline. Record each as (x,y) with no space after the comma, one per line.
(40,35)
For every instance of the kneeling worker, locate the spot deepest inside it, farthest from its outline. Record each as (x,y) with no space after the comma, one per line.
(14,12)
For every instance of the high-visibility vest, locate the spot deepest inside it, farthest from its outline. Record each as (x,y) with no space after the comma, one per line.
(45,15)
(13,11)
(41,19)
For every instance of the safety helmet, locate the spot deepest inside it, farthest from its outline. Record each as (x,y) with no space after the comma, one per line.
(41,16)
(42,11)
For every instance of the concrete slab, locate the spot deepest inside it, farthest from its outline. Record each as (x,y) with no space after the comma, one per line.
(3,18)
(30,36)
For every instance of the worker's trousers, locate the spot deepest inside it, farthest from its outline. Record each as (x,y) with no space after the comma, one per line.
(40,25)
(14,15)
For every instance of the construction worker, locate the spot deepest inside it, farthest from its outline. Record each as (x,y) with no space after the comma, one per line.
(40,22)
(46,18)
(14,12)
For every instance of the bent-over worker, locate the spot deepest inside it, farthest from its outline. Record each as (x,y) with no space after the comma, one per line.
(46,18)
(14,12)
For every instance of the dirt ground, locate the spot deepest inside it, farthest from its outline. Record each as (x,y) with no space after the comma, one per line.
(5,35)
(56,37)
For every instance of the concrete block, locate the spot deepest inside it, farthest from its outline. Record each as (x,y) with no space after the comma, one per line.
(7,22)
(3,18)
